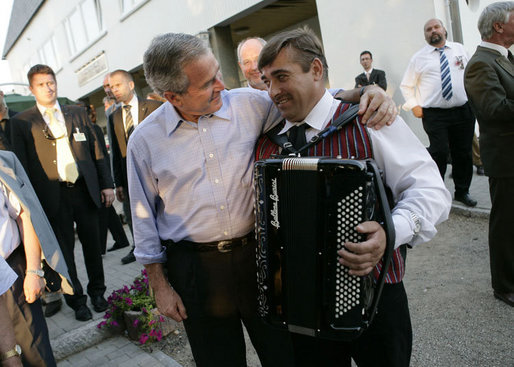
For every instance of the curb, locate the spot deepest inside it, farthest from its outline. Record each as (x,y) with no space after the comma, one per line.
(78,340)
(88,336)
(470,212)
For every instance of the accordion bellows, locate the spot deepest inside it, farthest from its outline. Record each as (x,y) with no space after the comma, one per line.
(306,209)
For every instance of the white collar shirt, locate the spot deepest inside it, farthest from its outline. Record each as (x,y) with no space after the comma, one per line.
(494,46)
(421,83)
(317,119)
(57,114)
(409,172)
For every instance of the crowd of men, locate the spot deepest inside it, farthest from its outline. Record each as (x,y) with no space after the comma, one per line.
(183,171)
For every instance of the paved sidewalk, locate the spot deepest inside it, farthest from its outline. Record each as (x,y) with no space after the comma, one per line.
(78,344)
(479,190)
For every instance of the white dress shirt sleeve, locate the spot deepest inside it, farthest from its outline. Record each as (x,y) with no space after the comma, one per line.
(415,182)
(409,84)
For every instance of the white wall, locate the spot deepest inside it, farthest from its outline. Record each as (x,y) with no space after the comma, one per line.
(125,40)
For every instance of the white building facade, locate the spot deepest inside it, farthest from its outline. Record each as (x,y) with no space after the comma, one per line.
(83,39)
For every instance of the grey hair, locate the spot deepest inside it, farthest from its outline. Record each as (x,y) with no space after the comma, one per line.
(240,45)
(494,13)
(165,59)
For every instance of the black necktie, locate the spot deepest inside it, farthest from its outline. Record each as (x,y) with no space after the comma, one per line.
(297,136)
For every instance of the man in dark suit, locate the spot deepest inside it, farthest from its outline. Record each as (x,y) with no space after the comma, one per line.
(370,75)
(489,83)
(64,162)
(121,123)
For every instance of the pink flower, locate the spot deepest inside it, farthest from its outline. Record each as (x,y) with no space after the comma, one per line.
(128,301)
(143,338)
(152,322)
(161,318)
(114,323)
(135,323)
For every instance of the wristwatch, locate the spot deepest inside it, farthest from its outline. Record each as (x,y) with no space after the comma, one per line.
(40,273)
(417,223)
(15,352)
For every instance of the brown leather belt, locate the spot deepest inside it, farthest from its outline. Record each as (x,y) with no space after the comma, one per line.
(221,246)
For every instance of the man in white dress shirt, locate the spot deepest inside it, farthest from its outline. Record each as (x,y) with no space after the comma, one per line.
(433,88)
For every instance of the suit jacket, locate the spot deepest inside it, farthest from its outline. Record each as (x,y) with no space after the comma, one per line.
(489,84)
(376,77)
(16,181)
(119,140)
(37,153)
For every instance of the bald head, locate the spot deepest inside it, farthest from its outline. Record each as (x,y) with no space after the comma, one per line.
(248,56)
(435,33)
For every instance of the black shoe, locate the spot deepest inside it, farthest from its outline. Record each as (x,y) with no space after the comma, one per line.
(52,308)
(82,313)
(508,298)
(480,170)
(99,303)
(117,246)
(466,199)
(130,258)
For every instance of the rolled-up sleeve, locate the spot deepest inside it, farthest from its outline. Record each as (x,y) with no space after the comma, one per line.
(411,174)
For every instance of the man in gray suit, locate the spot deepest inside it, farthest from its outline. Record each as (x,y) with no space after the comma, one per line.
(489,83)
(26,239)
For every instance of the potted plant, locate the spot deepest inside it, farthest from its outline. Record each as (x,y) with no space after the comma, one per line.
(133,308)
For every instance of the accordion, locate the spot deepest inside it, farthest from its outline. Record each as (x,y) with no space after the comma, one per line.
(306,209)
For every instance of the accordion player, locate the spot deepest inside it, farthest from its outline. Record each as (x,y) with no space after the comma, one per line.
(306,209)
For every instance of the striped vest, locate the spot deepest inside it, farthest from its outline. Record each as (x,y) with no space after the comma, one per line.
(351,142)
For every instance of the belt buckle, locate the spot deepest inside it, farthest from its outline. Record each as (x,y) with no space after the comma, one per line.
(224,246)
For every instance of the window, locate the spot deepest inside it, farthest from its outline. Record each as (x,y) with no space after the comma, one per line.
(130,6)
(49,56)
(83,26)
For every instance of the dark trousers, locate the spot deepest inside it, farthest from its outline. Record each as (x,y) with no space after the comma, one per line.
(77,207)
(127,212)
(388,341)
(219,292)
(501,233)
(30,328)
(109,219)
(451,131)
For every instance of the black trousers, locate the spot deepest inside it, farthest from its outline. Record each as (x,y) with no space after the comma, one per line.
(77,207)
(109,219)
(450,131)
(219,292)
(30,329)
(388,341)
(501,233)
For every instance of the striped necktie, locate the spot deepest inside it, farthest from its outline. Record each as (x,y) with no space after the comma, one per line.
(446,79)
(129,121)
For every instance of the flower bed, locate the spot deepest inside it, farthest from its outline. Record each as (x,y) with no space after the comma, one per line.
(133,308)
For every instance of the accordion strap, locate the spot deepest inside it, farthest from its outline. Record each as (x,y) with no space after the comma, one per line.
(336,125)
